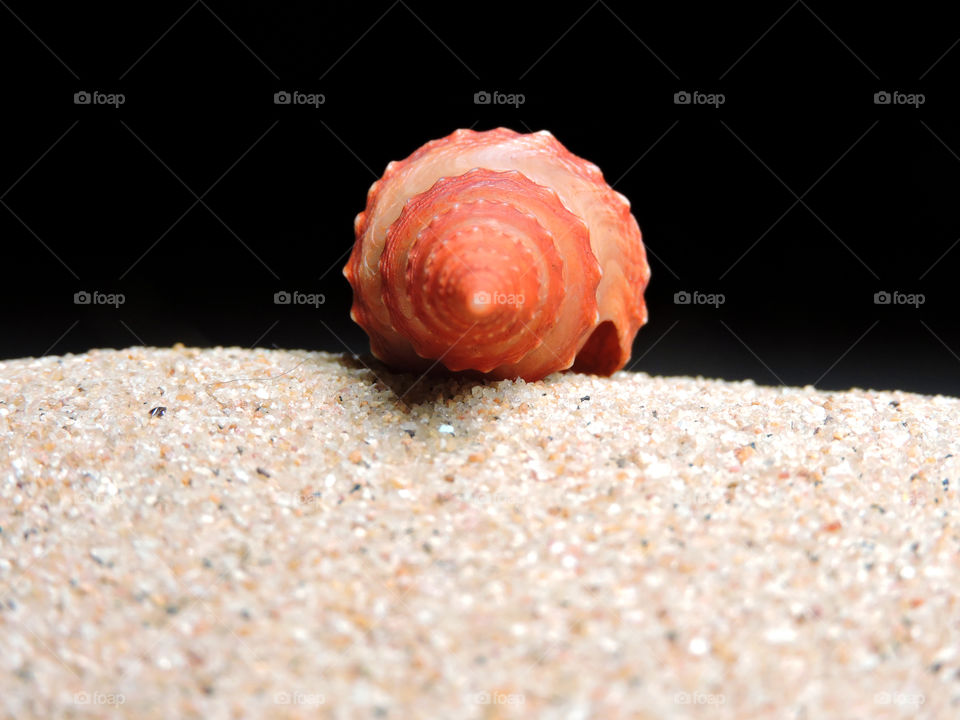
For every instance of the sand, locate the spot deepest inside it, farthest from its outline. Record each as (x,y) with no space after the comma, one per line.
(226,533)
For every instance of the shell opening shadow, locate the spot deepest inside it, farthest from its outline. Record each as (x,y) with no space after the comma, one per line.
(601,353)
(415,389)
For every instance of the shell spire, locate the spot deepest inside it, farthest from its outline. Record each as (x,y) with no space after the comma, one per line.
(501,253)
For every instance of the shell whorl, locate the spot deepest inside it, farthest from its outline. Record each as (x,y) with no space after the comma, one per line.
(477,259)
(500,253)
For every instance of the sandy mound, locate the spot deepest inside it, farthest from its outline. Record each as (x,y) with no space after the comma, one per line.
(229,533)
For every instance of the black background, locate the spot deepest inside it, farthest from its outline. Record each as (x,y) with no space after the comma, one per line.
(102,198)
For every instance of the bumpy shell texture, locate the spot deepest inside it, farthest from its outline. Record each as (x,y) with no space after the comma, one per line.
(500,253)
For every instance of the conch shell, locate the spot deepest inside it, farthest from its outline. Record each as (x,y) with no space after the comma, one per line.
(498,252)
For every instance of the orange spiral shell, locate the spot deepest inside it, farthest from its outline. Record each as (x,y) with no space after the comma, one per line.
(501,253)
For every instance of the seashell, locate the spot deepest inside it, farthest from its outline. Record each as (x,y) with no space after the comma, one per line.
(501,253)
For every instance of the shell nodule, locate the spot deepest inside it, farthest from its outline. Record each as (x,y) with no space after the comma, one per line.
(500,253)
